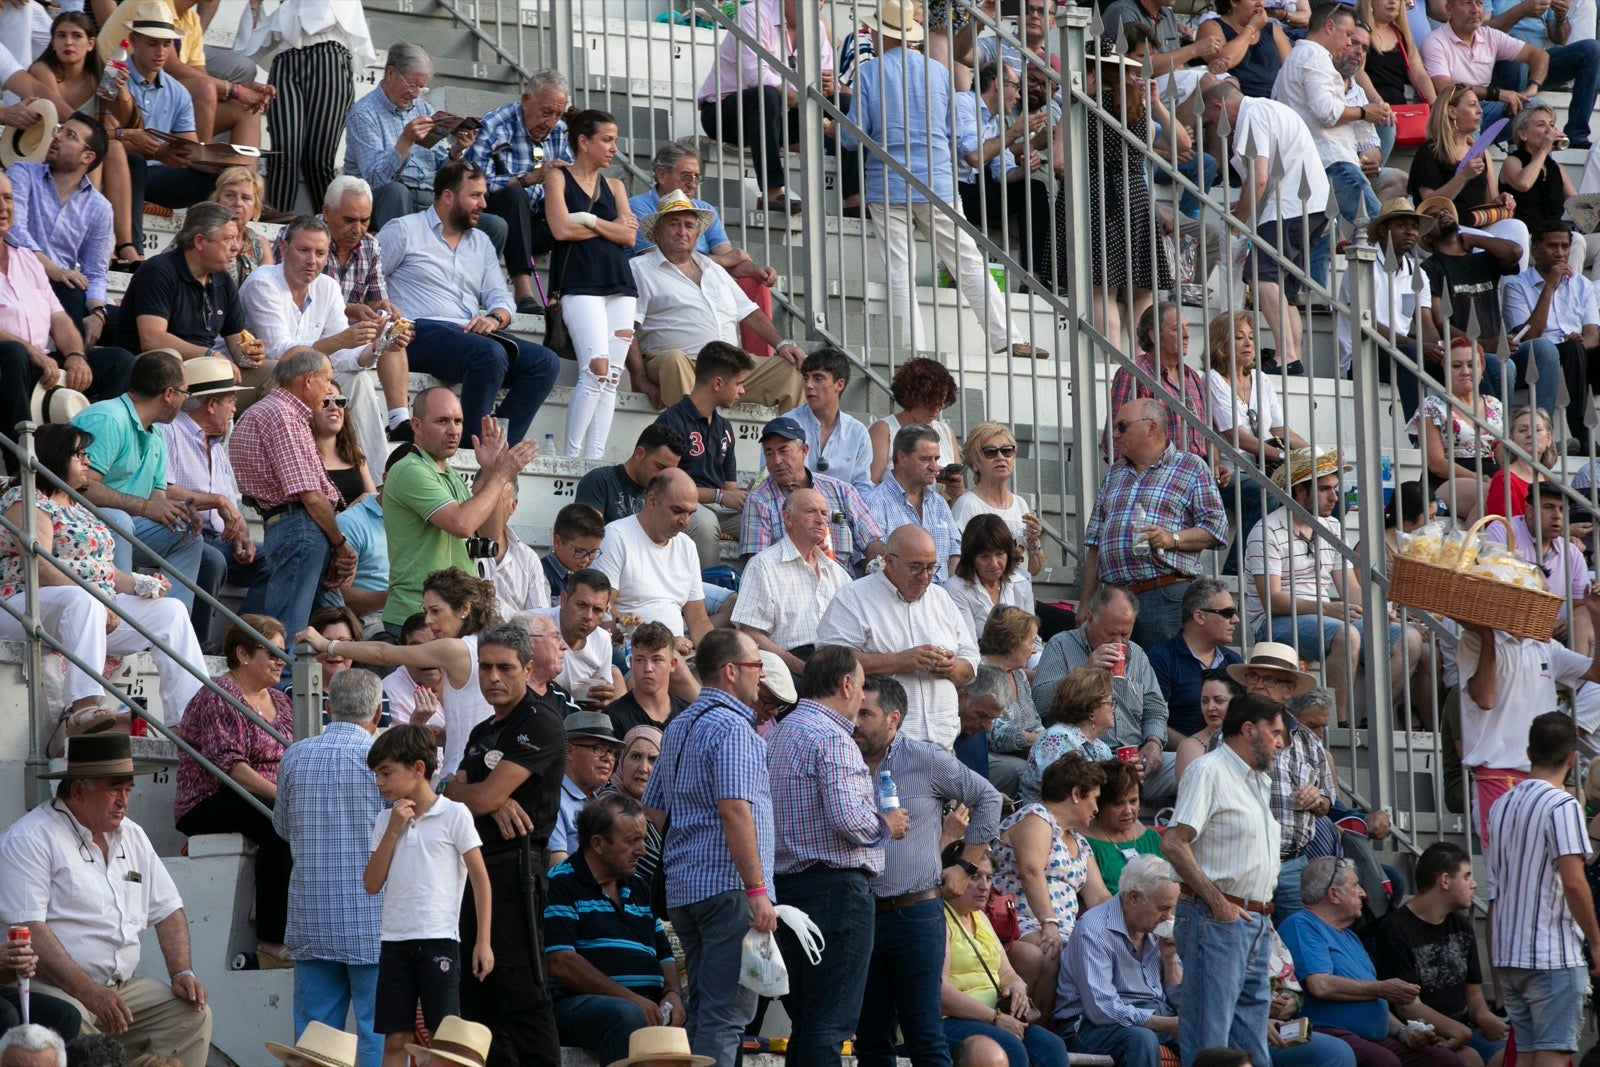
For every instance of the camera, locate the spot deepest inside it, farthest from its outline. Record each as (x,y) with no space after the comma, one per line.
(482,547)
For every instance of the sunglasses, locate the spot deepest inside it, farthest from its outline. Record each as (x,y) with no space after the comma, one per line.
(1226,613)
(1122,425)
(341,402)
(991,451)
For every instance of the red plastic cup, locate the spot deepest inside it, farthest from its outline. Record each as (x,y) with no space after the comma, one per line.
(1120,668)
(19,932)
(1128,753)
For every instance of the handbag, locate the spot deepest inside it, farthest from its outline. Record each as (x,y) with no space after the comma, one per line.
(1410,120)
(1002,911)
(557,338)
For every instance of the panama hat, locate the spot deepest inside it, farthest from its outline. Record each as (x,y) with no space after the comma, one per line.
(457,1041)
(30,145)
(102,755)
(672,204)
(210,376)
(1273,656)
(153,18)
(897,19)
(1399,207)
(57,404)
(661,1043)
(1306,464)
(319,1044)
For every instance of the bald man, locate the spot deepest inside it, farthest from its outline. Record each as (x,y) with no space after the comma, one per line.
(787,586)
(903,625)
(653,563)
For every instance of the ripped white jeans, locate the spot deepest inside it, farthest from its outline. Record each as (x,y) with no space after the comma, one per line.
(601,329)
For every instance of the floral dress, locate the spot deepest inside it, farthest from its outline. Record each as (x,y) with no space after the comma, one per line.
(1056,742)
(1064,873)
(1464,438)
(81,544)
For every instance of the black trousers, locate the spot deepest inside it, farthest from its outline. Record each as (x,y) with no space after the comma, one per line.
(527,232)
(52,1013)
(981,203)
(18,376)
(173,187)
(513,1001)
(306,120)
(225,812)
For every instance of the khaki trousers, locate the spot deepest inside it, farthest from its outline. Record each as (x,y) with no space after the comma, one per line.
(774,383)
(162,1023)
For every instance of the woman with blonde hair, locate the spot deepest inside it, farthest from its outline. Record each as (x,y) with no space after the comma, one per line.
(240,189)
(990,453)
(1007,642)
(1438,170)
(1532,432)
(1393,62)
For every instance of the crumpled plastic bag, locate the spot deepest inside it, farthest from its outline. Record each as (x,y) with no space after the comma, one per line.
(761,966)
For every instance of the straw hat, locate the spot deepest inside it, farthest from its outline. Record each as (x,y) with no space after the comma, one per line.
(210,376)
(319,1044)
(58,404)
(1273,656)
(671,204)
(897,19)
(661,1043)
(31,144)
(458,1041)
(1399,207)
(1430,204)
(153,18)
(1307,464)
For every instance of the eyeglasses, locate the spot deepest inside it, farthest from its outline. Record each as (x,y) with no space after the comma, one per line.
(991,451)
(1333,875)
(1226,613)
(1122,425)
(918,570)
(340,402)
(80,453)
(579,553)
(756,666)
(1266,679)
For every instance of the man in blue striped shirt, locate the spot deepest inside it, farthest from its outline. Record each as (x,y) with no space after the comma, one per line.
(606,952)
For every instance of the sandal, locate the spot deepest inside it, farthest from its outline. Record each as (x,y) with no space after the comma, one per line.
(121,263)
(91,720)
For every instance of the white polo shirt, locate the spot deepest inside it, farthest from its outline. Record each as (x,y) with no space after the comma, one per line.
(1237,839)
(1526,673)
(675,313)
(427,872)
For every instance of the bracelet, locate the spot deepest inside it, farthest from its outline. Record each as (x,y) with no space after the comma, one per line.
(101,311)
(718,498)
(996,1021)
(186,972)
(116,134)
(233,91)
(756,891)
(329,650)
(342,542)
(68,355)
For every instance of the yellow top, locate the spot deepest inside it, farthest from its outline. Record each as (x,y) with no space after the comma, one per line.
(192,49)
(966,970)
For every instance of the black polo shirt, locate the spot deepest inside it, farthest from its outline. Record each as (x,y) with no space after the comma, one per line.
(709,459)
(532,737)
(623,941)
(195,313)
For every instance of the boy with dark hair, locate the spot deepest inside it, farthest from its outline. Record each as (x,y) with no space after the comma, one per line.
(649,700)
(574,545)
(430,846)
(719,375)
(836,442)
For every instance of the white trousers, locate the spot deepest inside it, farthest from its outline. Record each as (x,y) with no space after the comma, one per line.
(595,323)
(953,247)
(368,416)
(78,621)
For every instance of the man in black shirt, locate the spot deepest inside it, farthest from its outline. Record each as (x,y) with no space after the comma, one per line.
(510,778)
(656,665)
(617,492)
(1468,266)
(719,375)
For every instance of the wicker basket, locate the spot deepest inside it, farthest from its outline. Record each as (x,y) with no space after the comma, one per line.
(1451,592)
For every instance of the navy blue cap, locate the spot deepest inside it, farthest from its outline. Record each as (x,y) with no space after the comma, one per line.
(783,426)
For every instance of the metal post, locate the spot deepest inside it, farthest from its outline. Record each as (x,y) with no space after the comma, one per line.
(813,222)
(34,664)
(561,31)
(1074,23)
(1360,261)
(307,695)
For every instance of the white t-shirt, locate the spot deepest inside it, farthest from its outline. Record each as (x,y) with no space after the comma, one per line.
(1268,128)
(653,581)
(1395,300)
(1526,675)
(591,663)
(429,870)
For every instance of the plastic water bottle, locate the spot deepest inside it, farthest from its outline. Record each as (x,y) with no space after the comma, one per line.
(1139,520)
(549,444)
(108,87)
(1388,482)
(888,792)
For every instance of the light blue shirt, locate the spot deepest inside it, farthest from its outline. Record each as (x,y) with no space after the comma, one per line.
(891,506)
(163,103)
(848,452)
(974,126)
(903,102)
(1106,982)
(362,526)
(430,280)
(76,235)
(372,129)
(647,202)
(1530,29)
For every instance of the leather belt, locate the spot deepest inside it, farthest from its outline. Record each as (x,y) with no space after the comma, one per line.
(1260,907)
(904,900)
(1157,583)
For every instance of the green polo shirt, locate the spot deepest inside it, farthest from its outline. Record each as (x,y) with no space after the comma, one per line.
(129,458)
(414,489)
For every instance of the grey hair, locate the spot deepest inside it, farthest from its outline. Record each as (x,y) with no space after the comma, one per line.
(354,695)
(1144,873)
(670,154)
(1318,696)
(508,635)
(1199,594)
(203,219)
(989,681)
(525,619)
(301,223)
(1320,871)
(405,57)
(1104,594)
(540,80)
(31,1037)
(346,185)
(907,438)
(298,361)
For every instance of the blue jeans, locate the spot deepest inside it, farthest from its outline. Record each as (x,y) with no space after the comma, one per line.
(1286,898)
(1160,615)
(1540,358)
(324,991)
(1386,139)
(598,1023)
(185,554)
(1353,192)
(1225,990)
(1313,636)
(1130,1046)
(482,365)
(252,577)
(712,933)
(1189,204)
(1545,1007)
(824,999)
(1037,1046)
(1577,63)
(1323,1050)
(902,990)
(299,552)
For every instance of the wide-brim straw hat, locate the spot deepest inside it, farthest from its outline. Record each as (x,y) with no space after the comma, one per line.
(57,404)
(319,1044)
(1273,656)
(897,19)
(671,204)
(1307,464)
(18,145)
(153,18)
(457,1041)
(661,1043)
(1399,207)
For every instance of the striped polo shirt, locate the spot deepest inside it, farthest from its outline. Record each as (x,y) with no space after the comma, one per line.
(1530,828)
(623,941)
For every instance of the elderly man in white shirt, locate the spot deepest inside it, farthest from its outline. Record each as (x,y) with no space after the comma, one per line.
(901,624)
(86,881)
(788,585)
(687,300)
(294,303)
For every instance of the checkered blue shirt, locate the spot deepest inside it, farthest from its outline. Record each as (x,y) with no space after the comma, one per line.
(822,794)
(327,801)
(850,521)
(1177,491)
(504,149)
(710,752)
(891,508)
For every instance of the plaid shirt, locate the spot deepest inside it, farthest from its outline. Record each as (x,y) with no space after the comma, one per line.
(1191,393)
(891,508)
(1177,491)
(710,752)
(275,458)
(851,524)
(361,278)
(327,802)
(822,798)
(504,149)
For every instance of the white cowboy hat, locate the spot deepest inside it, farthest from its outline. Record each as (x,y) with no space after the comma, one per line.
(30,145)
(897,19)
(210,376)
(673,203)
(319,1044)
(457,1041)
(57,404)
(661,1043)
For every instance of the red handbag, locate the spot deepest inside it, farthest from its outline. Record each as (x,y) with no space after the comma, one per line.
(1002,912)
(1410,125)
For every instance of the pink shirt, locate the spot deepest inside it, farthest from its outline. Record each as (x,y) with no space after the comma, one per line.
(739,67)
(26,299)
(1444,55)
